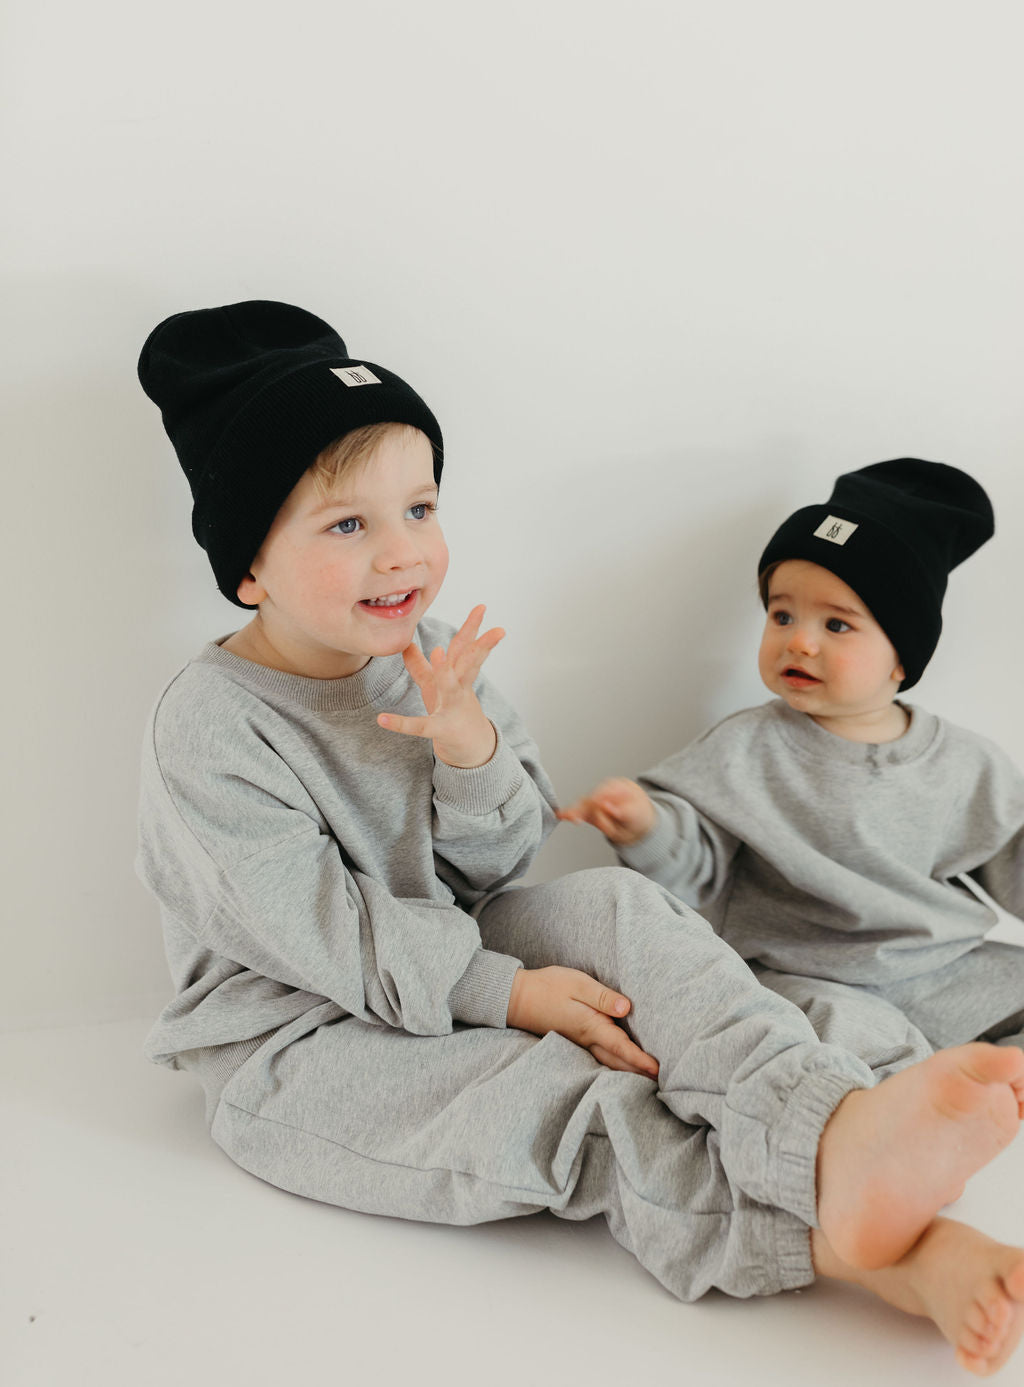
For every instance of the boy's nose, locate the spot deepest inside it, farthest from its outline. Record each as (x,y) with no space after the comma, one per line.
(396,552)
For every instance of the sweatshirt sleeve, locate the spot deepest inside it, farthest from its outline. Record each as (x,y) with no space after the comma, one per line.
(686,851)
(489,821)
(234,847)
(992,825)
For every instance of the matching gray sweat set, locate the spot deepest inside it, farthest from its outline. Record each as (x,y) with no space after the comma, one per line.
(342,938)
(840,871)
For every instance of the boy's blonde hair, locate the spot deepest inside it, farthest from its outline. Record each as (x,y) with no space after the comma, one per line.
(348,452)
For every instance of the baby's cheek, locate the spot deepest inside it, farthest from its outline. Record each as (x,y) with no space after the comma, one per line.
(847,669)
(766,657)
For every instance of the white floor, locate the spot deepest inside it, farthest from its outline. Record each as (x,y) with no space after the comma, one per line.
(136,1255)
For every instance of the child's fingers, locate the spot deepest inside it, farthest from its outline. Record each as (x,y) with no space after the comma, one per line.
(582,812)
(421,674)
(414,659)
(632,1059)
(446,680)
(599,1031)
(610,824)
(609,794)
(623,1052)
(466,634)
(466,657)
(411,727)
(458,671)
(478,653)
(603,999)
(589,811)
(617,795)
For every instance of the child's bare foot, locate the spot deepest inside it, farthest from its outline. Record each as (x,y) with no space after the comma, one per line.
(890,1157)
(970,1286)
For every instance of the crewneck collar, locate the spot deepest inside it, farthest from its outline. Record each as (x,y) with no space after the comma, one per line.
(801,731)
(357,690)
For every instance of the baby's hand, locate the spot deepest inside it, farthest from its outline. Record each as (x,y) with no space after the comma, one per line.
(462,734)
(580,1008)
(622,811)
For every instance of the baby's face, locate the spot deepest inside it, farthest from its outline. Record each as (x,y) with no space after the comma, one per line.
(342,579)
(822,650)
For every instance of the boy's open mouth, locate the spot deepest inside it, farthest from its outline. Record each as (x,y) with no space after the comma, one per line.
(392,605)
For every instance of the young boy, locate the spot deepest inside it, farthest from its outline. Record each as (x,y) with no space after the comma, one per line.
(827,834)
(375,1022)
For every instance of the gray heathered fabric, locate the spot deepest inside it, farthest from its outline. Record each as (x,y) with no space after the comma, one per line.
(834,860)
(300,852)
(707,1177)
(312,871)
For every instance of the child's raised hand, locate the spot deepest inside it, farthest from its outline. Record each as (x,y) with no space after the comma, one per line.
(462,734)
(580,1008)
(622,811)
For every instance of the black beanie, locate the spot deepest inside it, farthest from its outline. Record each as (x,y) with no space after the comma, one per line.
(892,532)
(250,394)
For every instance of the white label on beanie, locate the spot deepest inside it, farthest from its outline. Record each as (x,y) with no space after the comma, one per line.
(835,530)
(355,375)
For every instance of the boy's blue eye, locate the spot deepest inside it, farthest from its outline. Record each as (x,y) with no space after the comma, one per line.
(781,618)
(346,527)
(420,510)
(836,625)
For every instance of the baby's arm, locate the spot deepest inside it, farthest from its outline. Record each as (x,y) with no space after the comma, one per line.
(996,813)
(1002,878)
(657,830)
(621,809)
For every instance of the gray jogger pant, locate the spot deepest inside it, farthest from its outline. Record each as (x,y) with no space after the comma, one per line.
(855,1018)
(707,1176)
(979,996)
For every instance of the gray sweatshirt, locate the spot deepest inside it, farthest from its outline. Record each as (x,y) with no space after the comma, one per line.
(836,859)
(300,853)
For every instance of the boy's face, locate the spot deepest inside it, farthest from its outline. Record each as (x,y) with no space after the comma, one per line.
(822,650)
(343,579)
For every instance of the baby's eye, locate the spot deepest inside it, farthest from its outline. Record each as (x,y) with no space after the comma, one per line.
(781,618)
(836,626)
(420,510)
(349,526)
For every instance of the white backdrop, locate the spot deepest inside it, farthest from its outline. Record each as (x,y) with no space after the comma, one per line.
(662,270)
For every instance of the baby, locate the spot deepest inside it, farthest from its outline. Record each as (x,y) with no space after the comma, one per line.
(834,835)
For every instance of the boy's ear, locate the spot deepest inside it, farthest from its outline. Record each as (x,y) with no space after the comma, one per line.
(898,673)
(251,591)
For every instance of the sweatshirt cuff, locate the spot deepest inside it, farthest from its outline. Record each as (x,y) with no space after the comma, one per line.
(480,789)
(480,997)
(654,850)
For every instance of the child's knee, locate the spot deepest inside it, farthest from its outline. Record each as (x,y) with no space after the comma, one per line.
(615,883)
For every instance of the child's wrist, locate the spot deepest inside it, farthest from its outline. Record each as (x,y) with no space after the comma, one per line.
(471,754)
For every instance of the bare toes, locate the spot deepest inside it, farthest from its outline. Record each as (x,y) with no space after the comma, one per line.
(1014,1282)
(996,1309)
(977,1345)
(977,1322)
(972,1364)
